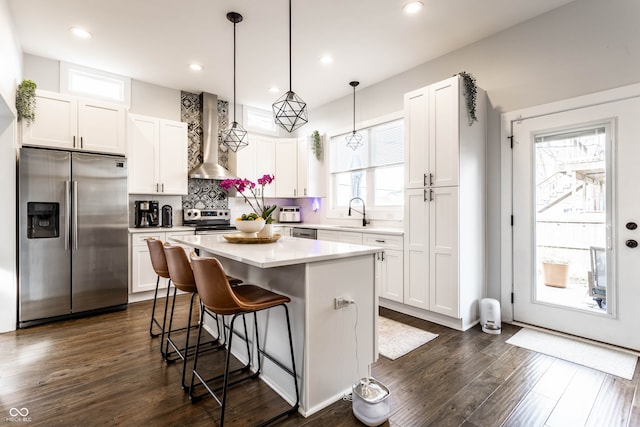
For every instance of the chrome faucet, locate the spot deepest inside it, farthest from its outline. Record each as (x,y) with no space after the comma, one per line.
(364,215)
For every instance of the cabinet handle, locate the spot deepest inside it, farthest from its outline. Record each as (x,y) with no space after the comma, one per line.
(305,191)
(295,192)
(81,142)
(430,195)
(74,141)
(163,187)
(381,241)
(157,188)
(430,179)
(424,180)
(424,197)
(382,256)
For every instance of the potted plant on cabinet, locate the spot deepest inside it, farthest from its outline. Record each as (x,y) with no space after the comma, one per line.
(26,101)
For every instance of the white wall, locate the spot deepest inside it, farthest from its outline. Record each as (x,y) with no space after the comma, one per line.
(583,47)
(10,72)
(146,98)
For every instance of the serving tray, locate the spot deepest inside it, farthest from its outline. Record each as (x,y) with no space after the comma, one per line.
(237,238)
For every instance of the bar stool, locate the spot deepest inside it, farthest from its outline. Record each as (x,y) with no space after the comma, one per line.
(159,263)
(183,280)
(218,297)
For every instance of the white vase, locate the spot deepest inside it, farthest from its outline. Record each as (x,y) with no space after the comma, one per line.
(266,232)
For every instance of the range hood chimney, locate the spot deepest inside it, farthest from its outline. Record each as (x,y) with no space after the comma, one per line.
(209,168)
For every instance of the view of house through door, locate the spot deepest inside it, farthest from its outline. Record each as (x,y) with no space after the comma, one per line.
(573,196)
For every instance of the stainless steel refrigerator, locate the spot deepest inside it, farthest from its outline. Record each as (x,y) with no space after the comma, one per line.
(73,220)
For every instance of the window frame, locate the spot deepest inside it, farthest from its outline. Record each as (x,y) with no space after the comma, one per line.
(393,213)
(66,69)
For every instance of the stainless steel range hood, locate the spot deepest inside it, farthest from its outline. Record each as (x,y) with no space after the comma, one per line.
(209,168)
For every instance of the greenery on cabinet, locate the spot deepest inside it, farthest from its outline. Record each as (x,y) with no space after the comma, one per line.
(26,101)
(470,92)
(316,145)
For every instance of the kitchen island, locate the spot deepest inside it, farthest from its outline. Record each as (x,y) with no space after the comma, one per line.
(334,347)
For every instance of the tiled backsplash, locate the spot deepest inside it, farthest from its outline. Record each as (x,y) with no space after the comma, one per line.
(203,193)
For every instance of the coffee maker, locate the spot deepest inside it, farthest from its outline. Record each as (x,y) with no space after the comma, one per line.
(146,214)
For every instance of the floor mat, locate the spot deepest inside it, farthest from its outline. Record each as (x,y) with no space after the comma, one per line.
(604,359)
(396,339)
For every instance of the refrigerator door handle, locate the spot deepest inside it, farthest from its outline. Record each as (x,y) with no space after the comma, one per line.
(75,215)
(67,214)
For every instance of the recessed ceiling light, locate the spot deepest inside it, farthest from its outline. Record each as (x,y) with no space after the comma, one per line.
(326,59)
(80,32)
(274,89)
(195,67)
(412,7)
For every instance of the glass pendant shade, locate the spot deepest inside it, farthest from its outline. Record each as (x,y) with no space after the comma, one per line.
(290,111)
(354,139)
(235,137)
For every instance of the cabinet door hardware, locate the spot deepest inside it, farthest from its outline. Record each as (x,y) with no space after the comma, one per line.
(380,241)
(74,141)
(81,142)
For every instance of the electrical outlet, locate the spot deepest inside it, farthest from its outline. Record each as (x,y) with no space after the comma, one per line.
(341,302)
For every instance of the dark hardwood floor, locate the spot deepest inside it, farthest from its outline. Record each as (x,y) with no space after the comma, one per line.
(106,370)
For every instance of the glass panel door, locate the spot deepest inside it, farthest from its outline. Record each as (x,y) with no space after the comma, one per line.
(571,217)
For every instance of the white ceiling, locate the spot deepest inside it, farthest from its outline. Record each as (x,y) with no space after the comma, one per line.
(155,40)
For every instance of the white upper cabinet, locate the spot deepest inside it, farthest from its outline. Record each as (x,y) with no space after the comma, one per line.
(287,167)
(297,172)
(432,135)
(157,156)
(64,121)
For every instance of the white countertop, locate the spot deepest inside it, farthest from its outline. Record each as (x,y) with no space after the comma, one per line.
(160,229)
(286,251)
(351,228)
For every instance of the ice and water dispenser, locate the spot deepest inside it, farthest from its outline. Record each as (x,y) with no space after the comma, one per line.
(43,220)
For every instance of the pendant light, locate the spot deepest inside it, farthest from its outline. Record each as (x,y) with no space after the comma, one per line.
(354,139)
(235,137)
(290,111)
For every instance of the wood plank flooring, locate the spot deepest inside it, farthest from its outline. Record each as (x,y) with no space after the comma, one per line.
(106,370)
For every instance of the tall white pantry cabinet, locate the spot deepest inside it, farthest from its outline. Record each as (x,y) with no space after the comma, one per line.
(444,239)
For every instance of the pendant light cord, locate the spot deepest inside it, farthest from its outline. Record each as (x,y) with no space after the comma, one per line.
(354,109)
(290,46)
(234,72)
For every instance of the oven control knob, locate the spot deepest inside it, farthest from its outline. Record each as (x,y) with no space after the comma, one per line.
(631,243)
(631,226)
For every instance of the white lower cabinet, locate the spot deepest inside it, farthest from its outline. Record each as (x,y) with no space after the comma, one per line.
(143,277)
(390,264)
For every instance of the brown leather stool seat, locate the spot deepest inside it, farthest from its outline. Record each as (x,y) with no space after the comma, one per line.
(159,263)
(218,297)
(183,280)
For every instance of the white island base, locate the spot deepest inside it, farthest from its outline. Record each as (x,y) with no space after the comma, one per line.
(333,347)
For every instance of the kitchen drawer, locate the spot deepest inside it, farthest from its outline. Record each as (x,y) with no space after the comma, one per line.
(327,235)
(138,239)
(383,240)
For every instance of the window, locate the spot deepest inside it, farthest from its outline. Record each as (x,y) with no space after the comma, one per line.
(82,81)
(374,172)
(260,121)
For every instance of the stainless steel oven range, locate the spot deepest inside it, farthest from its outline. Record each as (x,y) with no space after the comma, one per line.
(209,221)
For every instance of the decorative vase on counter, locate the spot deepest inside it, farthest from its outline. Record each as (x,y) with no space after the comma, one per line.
(266,232)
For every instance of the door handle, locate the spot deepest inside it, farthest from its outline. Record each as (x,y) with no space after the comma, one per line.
(75,214)
(631,243)
(67,213)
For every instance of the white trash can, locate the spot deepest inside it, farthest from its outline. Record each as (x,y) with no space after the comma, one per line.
(490,316)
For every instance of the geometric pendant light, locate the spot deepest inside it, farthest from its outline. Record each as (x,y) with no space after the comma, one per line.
(290,111)
(354,139)
(235,137)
